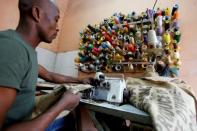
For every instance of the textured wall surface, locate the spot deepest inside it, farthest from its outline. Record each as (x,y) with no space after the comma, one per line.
(10,16)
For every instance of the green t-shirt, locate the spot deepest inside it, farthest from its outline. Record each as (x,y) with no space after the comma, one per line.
(18,70)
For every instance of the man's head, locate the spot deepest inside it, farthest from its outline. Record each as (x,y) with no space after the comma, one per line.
(44,14)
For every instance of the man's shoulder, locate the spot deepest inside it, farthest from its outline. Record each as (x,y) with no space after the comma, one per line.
(9,40)
(6,33)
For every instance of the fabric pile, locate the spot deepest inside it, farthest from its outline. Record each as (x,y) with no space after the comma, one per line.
(169,101)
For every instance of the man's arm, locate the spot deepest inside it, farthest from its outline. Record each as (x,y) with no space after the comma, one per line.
(5,104)
(68,101)
(58,78)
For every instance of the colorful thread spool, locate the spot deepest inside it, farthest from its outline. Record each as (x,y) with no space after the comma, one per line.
(152,38)
(167,38)
(131,47)
(95,51)
(175,24)
(175,8)
(118,67)
(167,23)
(138,36)
(176,55)
(159,21)
(167,12)
(159,30)
(177,36)
(145,36)
(176,15)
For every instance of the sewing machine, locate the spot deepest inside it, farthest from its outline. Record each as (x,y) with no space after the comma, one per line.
(107,88)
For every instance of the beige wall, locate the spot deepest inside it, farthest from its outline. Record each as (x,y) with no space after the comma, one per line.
(10,16)
(76,14)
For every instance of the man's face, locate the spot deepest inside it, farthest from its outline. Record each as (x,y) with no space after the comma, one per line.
(49,23)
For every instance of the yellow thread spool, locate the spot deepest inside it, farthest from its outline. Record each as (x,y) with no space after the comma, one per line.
(166,38)
(167,12)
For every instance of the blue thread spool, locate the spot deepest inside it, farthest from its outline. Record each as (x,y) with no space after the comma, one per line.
(145,35)
(83,59)
(104,45)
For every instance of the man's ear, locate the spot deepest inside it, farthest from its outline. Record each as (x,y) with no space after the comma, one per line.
(36,13)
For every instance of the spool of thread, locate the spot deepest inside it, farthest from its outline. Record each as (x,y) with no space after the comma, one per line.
(114,38)
(93,57)
(118,67)
(90,47)
(167,12)
(107,36)
(109,45)
(176,55)
(118,57)
(109,29)
(77,60)
(144,47)
(177,36)
(131,67)
(159,12)
(120,37)
(91,67)
(131,40)
(97,62)
(175,24)
(159,21)
(150,13)
(108,68)
(103,28)
(176,15)
(166,38)
(131,47)
(126,30)
(82,67)
(91,28)
(159,38)
(138,36)
(126,38)
(81,53)
(115,27)
(159,30)
(120,51)
(104,45)
(95,51)
(82,59)
(145,35)
(152,38)
(117,20)
(167,25)
(175,8)
(101,39)
(137,54)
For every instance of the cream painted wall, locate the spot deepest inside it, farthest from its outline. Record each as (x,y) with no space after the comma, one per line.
(10,16)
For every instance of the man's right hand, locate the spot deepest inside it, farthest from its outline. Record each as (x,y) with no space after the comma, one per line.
(69,100)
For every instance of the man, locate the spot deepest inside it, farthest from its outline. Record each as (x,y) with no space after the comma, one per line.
(19,68)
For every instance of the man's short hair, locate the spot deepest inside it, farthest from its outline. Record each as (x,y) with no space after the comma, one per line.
(25,5)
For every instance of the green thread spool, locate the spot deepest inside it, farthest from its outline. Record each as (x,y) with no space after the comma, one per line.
(177,36)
